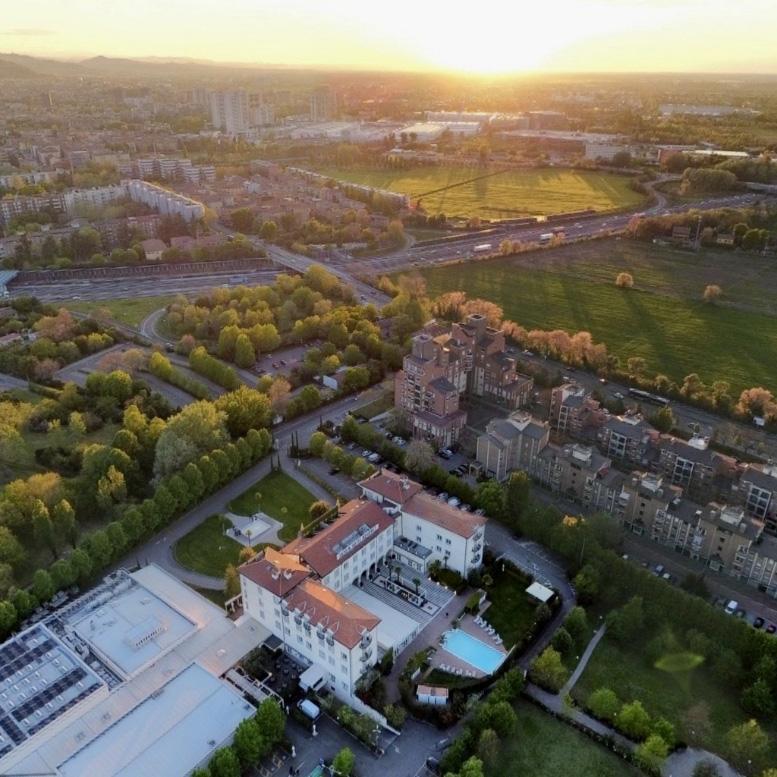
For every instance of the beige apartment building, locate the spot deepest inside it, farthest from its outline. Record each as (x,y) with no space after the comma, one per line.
(447,362)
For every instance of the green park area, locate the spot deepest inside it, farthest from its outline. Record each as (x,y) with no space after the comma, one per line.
(546,747)
(130,311)
(493,194)
(680,687)
(281,497)
(662,319)
(206,549)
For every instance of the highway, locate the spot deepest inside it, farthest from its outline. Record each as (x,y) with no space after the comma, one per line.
(586,227)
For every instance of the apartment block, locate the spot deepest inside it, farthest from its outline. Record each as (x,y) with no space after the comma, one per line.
(701,472)
(627,439)
(574,411)
(229,111)
(447,362)
(511,443)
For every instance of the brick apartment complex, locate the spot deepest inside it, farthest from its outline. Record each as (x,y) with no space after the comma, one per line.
(681,494)
(447,362)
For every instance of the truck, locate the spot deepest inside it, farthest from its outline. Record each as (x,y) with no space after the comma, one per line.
(483,248)
(309,710)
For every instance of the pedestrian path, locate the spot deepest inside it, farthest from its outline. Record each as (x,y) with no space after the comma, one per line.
(583,662)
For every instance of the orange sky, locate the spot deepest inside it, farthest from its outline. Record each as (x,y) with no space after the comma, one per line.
(491,36)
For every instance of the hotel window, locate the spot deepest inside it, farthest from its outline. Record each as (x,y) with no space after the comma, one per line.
(439,537)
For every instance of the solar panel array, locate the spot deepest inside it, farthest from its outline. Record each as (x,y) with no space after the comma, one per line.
(40,678)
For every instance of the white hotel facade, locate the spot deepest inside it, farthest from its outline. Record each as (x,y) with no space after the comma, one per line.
(298,592)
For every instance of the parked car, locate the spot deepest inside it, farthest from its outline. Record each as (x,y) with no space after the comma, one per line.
(454,501)
(732,607)
(771,629)
(758,623)
(445,453)
(659,570)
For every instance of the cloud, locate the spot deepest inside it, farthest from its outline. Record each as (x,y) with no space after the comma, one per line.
(30,32)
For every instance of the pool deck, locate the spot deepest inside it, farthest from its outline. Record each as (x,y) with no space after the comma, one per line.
(442,656)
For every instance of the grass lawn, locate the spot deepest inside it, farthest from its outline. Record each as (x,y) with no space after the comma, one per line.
(217,597)
(701,709)
(130,311)
(546,747)
(206,549)
(279,496)
(377,406)
(674,334)
(465,192)
(511,612)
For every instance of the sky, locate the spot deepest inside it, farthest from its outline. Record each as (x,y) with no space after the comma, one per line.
(484,37)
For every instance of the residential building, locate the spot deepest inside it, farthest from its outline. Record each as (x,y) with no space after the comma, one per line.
(323,104)
(702,473)
(511,443)
(627,439)
(167,202)
(229,111)
(574,411)
(579,472)
(757,490)
(447,362)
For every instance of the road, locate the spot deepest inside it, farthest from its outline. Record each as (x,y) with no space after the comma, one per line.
(597,226)
(9,382)
(135,287)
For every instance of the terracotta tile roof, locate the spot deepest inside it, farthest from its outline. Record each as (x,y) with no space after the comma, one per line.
(391,486)
(442,514)
(323,552)
(327,608)
(275,571)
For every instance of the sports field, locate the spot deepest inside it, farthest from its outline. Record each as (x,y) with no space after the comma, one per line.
(468,191)
(662,319)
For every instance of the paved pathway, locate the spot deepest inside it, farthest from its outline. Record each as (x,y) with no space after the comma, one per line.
(585,658)
(683,762)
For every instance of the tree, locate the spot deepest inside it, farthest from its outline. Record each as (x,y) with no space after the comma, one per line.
(344,762)
(419,456)
(318,508)
(224,763)
(490,498)
(757,698)
(316,444)
(746,746)
(712,293)
(269,231)
(11,550)
(548,670)
(278,394)
(652,752)
(245,355)
(576,624)
(517,494)
(271,720)
(563,642)
(604,704)
(8,617)
(43,529)
(633,720)
(249,743)
(42,585)
(663,419)
(588,583)
(627,622)
(244,409)
(242,220)
(624,280)
(488,747)
(198,428)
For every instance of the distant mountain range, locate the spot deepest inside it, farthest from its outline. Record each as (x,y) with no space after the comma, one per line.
(25,66)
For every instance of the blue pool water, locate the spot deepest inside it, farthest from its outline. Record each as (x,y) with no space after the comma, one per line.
(476,653)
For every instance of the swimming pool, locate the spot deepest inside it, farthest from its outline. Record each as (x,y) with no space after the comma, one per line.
(475,652)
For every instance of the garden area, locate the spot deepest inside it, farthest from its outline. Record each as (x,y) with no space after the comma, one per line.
(512,613)
(547,747)
(281,497)
(206,549)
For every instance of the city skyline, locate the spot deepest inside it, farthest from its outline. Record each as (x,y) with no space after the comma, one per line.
(561,36)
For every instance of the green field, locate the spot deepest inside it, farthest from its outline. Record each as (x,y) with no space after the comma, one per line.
(662,319)
(511,613)
(206,549)
(701,709)
(279,496)
(130,311)
(545,747)
(467,191)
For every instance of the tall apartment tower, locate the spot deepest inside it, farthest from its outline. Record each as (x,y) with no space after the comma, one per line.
(323,104)
(229,111)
